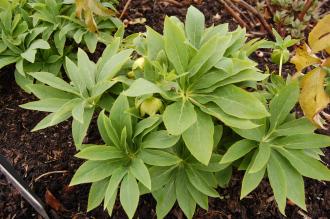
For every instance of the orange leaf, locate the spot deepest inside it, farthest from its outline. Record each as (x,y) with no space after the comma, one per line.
(313,99)
(53,202)
(319,37)
(304,58)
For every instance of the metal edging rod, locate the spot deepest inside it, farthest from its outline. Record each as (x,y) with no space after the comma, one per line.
(17,181)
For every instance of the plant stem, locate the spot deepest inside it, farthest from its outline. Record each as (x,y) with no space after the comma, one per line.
(281,63)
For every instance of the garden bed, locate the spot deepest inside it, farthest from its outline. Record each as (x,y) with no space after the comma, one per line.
(46,158)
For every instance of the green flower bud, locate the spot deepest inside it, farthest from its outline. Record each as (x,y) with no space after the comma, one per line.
(151,106)
(276,56)
(131,74)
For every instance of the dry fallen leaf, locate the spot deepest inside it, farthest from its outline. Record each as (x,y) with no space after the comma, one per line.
(313,98)
(52,201)
(304,57)
(319,37)
(89,8)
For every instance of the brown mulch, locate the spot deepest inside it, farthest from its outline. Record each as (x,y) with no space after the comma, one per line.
(52,149)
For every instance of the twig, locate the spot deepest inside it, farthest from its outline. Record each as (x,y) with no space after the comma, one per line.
(173,2)
(307,5)
(234,14)
(239,11)
(269,7)
(49,173)
(257,14)
(125,9)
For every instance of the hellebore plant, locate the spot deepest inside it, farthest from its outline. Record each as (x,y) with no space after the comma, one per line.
(79,98)
(196,72)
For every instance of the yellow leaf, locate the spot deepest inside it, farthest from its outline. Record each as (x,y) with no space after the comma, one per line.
(89,8)
(79,8)
(326,63)
(319,37)
(89,21)
(97,8)
(304,58)
(313,99)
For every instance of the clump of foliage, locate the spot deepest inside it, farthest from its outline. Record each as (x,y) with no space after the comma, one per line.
(34,35)
(178,119)
(89,82)
(291,17)
(313,98)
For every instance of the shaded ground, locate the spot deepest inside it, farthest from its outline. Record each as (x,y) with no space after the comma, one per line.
(38,155)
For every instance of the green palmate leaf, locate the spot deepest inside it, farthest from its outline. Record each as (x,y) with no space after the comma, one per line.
(179,116)
(295,127)
(104,129)
(140,172)
(113,65)
(251,181)
(93,171)
(295,182)
(46,105)
(224,176)
(30,53)
(101,87)
(238,150)
(145,124)
(159,158)
(129,195)
(255,134)
(113,184)
(231,121)
(304,141)
(306,165)
(198,182)
(43,92)
(96,194)
(108,52)
(282,104)
(203,55)
(165,198)
(200,198)
(74,75)
(199,137)
(194,26)
(62,114)
(248,75)
(277,181)
(159,139)
(53,81)
(86,69)
(79,130)
(161,176)
(155,43)
(175,47)
(91,41)
(111,202)
(97,152)
(237,102)
(262,157)
(142,87)
(120,117)
(7,60)
(78,112)
(185,201)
